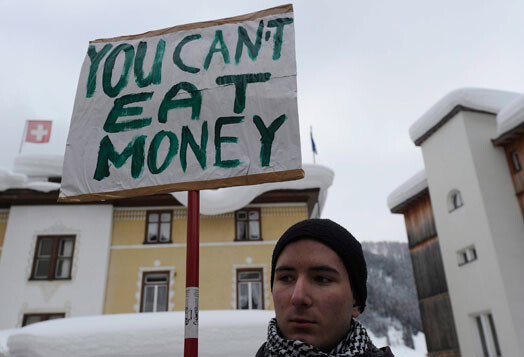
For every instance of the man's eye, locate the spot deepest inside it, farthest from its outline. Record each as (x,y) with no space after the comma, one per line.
(285,278)
(323,279)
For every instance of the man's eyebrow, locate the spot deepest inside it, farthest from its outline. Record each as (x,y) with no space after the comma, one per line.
(284,268)
(324,268)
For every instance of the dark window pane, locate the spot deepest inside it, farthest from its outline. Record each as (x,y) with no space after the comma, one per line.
(164,232)
(241,230)
(32,319)
(256,296)
(152,231)
(65,248)
(42,268)
(241,215)
(46,247)
(249,275)
(254,230)
(149,295)
(243,296)
(161,301)
(63,266)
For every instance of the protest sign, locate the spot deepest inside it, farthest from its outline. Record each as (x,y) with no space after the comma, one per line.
(197,106)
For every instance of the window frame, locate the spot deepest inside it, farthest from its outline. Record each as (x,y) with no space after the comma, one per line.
(259,270)
(451,200)
(144,274)
(46,316)
(51,275)
(159,223)
(486,334)
(463,255)
(247,210)
(515,161)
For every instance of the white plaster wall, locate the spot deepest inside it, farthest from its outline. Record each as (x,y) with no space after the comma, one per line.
(80,296)
(460,156)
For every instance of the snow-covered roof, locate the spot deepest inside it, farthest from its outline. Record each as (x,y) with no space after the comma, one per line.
(32,171)
(479,99)
(407,190)
(511,117)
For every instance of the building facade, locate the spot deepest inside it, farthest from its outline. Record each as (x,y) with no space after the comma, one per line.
(474,190)
(129,256)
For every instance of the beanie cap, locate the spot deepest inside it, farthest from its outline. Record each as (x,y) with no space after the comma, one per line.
(340,241)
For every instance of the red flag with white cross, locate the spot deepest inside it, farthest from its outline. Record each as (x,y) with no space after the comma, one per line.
(38,131)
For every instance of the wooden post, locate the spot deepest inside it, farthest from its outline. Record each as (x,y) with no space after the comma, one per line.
(192,256)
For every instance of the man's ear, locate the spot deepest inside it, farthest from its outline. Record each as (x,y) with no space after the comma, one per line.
(356,310)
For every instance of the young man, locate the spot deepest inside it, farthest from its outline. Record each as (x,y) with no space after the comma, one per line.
(318,281)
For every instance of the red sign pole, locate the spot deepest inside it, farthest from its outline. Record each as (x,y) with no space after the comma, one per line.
(192,254)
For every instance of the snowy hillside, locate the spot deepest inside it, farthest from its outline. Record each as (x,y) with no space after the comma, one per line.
(392,295)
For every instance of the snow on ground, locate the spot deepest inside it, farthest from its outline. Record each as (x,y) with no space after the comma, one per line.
(222,333)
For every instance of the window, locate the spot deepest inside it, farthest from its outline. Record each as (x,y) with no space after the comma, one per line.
(248,224)
(454,200)
(487,340)
(249,290)
(158,227)
(466,255)
(53,258)
(155,291)
(33,318)
(515,161)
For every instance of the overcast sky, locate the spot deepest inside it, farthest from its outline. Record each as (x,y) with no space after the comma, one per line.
(366,71)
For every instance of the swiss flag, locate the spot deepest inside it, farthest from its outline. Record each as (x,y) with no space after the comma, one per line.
(38,131)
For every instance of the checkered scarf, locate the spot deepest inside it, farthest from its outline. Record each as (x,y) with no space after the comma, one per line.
(355,344)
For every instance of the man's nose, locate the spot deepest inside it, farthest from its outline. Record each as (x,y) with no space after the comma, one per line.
(301,293)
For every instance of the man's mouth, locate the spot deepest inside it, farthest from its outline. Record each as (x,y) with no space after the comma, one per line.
(301,322)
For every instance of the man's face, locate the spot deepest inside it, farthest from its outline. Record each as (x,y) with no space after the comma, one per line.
(312,294)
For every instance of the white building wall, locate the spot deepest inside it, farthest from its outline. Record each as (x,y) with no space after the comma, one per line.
(460,156)
(80,296)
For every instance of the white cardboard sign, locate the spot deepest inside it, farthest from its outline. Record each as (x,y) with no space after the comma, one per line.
(196,106)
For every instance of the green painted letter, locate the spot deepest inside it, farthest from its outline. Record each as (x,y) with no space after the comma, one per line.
(107,153)
(200,152)
(279,34)
(243,38)
(267,135)
(119,110)
(225,139)
(241,81)
(153,151)
(176,55)
(95,61)
(213,49)
(155,75)
(109,65)
(168,103)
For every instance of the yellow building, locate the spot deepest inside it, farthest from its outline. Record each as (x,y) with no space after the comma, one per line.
(126,256)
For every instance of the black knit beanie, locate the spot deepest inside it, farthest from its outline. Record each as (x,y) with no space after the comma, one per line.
(339,240)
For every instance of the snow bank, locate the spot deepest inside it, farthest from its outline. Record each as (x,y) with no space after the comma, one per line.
(222,333)
(511,116)
(408,189)
(488,100)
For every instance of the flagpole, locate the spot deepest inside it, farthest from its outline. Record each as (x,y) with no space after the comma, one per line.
(23,138)
(192,283)
(312,148)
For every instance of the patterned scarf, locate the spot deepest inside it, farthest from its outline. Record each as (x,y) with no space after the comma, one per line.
(355,344)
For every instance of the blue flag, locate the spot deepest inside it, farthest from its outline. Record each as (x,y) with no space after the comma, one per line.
(313,146)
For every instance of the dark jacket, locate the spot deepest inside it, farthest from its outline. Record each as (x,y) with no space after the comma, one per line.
(376,352)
